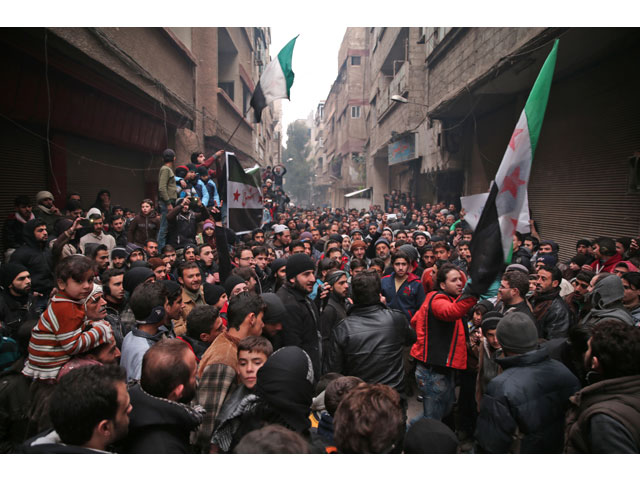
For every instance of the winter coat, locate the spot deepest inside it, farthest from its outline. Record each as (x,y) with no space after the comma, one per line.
(183,226)
(37,258)
(608,266)
(158,425)
(14,407)
(605,417)
(441,331)
(553,316)
(143,228)
(369,343)
(408,298)
(526,403)
(14,311)
(606,299)
(50,442)
(300,326)
(333,312)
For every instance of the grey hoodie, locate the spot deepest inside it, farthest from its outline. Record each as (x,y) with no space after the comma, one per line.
(606,299)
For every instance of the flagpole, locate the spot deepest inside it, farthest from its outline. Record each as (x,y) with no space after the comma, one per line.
(236,129)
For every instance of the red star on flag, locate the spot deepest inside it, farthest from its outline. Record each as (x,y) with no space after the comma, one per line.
(512,183)
(512,142)
(515,224)
(236,195)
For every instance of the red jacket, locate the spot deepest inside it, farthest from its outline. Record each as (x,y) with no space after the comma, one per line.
(441,331)
(608,266)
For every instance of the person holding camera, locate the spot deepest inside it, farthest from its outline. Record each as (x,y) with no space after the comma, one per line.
(183,221)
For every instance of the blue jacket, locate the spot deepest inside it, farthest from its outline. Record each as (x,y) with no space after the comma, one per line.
(409,297)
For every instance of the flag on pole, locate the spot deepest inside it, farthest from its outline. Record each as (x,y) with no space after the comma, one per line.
(244,196)
(492,244)
(275,82)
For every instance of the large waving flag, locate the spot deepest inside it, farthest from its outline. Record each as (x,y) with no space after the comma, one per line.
(275,82)
(244,196)
(492,244)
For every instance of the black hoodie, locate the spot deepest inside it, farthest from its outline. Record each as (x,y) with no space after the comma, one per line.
(36,256)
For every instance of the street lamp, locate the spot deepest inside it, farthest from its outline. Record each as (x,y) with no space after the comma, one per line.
(401,99)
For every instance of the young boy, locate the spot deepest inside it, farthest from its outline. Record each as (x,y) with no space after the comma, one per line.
(63,329)
(253,352)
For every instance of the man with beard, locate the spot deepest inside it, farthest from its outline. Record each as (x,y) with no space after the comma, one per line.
(14,224)
(281,240)
(512,291)
(207,264)
(190,279)
(90,410)
(112,282)
(577,300)
(300,327)
(162,420)
(553,317)
(119,258)
(97,235)
(336,308)
(16,300)
(45,209)
(604,417)
(118,232)
(36,256)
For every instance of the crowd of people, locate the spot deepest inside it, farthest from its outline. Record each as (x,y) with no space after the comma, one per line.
(159,330)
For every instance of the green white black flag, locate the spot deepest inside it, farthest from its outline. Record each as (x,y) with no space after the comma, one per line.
(244,196)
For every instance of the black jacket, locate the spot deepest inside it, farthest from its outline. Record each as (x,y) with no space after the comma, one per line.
(300,326)
(527,401)
(333,312)
(553,317)
(37,258)
(158,425)
(14,311)
(369,343)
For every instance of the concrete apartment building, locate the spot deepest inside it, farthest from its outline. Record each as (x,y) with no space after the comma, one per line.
(340,131)
(110,100)
(465,89)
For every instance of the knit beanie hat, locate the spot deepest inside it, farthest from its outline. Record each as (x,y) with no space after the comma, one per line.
(382,240)
(336,238)
(275,310)
(410,250)
(430,436)
(517,267)
(9,272)
(202,171)
(135,277)
(490,320)
(517,333)
(334,276)
(277,264)
(420,233)
(171,286)
(155,262)
(358,244)
(119,252)
(181,171)
(43,195)
(208,224)
(306,236)
(298,263)
(212,293)
(231,282)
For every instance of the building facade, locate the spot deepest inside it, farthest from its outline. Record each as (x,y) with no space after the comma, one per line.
(84,109)
(340,130)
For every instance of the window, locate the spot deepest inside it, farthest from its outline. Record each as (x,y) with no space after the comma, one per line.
(227,87)
(355,60)
(355,112)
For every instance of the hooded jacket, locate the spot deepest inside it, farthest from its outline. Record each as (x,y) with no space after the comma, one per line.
(158,425)
(607,266)
(36,256)
(527,402)
(606,299)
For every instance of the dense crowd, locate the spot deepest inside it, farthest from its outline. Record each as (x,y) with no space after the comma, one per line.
(160,330)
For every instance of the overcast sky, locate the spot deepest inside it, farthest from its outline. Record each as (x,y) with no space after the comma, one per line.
(315,64)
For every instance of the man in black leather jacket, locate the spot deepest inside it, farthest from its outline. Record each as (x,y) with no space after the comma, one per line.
(553,317)
(368,343)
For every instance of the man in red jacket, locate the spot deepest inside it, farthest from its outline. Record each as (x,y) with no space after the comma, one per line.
(441,346)
(607,257)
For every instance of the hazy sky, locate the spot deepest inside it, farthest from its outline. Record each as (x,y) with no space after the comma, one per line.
(315,64)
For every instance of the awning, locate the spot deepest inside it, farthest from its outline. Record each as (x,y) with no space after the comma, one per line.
(357,192)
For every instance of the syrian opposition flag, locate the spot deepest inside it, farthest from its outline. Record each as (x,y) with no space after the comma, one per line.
(244,196)
(492,243)
(275,82)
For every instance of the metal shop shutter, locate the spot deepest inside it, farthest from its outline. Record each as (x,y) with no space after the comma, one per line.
(23,169)
(580,177)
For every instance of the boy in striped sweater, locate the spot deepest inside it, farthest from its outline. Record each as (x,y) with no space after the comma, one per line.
(63,329)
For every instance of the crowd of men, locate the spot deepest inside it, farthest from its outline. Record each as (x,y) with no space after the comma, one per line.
(162,331)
